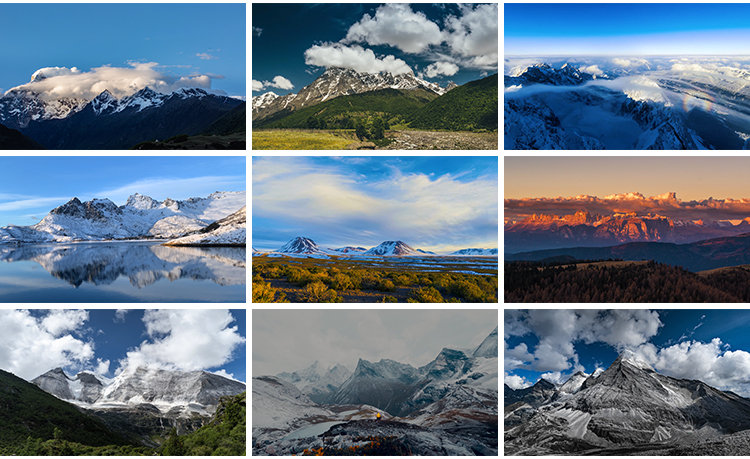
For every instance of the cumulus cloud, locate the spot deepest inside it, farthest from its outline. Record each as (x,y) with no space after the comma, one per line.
(629,62)
(516,382)
(666,204)
(475,34)
(353,57)
(185,340)
(592,69)
(278,82)
(395,24)
(559,330)
(58,82)
(712,363)
(120,315)
(31,346)
(439,68)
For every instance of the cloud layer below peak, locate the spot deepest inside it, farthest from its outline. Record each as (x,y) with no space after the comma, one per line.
(62,82)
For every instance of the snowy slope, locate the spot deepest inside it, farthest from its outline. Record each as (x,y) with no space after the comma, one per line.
(164,389)
(231,230)
(475,252)
(101,219)
(316,381)
(396,248)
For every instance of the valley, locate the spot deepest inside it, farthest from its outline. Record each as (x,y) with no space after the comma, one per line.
(392,272)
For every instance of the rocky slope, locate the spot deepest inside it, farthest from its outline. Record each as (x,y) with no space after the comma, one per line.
(336,82)
(628,405)
(316,381)
(230,230)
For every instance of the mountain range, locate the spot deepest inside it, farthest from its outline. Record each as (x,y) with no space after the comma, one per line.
(305,246)
(583,229)
(626,409)
(564,108)
(106,122)
(448,406)
(140,217)
(340,97)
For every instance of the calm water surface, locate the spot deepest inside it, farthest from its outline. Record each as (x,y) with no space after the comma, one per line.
(121,272)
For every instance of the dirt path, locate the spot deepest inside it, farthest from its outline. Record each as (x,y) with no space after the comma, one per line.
(428,140)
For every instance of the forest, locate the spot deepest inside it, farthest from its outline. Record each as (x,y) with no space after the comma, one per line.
(628,282)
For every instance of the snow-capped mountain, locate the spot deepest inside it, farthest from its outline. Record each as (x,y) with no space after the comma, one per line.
(662,106)
(392,248)
(18,107)
(141,216)
(349,249)
(336,82)
(475,252)
(230,230)
(263,101)
(164,389)
(627,405)
(583,229)
(401,389)
(300,245)
(316,381)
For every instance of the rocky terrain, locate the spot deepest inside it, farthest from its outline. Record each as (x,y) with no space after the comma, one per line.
(432,140)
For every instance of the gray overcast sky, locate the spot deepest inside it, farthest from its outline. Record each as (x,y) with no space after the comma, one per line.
(291,340)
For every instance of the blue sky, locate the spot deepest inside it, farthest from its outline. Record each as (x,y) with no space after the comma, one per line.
(437,203)
(204,43)
(625,29)
(445,41)
(31,186)
(711,345)
(105,340)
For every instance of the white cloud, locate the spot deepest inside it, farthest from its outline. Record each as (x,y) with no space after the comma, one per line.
(120,315)
(629,62)
(185,340)
(30,347)
(120,81)
(475,34)
(205,56)
(592,69)
(558,330)
(60,321)
(102,367)
(257,31)
(396,25)
(353,57)
(439,68)
(278,82)
(516,382)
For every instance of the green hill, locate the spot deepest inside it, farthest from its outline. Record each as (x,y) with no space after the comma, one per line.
(232,122)
(34,422)
(224,435)
(473,105)
(342,111)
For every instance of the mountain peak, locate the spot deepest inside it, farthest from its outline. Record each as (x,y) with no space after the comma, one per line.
(300,245)
(392,248)
(629,357)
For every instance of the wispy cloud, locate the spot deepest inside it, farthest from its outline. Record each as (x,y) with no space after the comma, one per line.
(161,188)
(205,56)
(338,205)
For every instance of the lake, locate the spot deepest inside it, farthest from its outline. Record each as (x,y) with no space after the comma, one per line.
(121,272)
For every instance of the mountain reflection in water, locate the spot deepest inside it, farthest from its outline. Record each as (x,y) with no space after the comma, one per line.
(142,263)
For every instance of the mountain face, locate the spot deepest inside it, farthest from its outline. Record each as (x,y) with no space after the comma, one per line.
(317,382)
(696,256)
(230,230)
(11,139)
(628,405)
(108,123)
(164,389)
(300,245)
(397,248)
(335,82)
(401,389)
(141,216)
(582,229)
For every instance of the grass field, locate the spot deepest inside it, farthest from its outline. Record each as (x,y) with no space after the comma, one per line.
(375,279)
(297,139)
